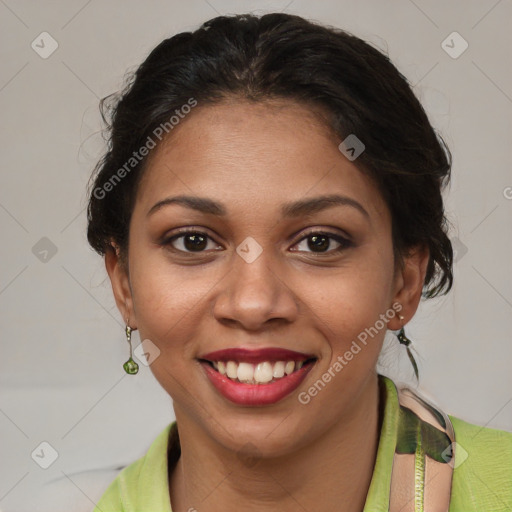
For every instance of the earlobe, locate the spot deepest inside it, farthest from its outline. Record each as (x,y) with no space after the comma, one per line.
(119,279)
(410,279)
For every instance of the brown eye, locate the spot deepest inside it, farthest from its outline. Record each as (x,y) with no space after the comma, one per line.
(319,242)
(191,241)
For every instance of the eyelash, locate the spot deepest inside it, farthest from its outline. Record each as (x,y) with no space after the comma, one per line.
(344,242)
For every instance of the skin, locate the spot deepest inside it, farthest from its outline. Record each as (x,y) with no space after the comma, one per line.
(253,158)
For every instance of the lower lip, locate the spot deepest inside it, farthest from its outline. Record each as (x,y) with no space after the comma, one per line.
(256,394)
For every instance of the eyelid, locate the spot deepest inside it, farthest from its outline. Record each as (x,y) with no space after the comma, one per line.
(324,231)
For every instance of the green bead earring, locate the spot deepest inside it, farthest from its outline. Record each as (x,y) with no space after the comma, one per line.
(130,367)
(404,340)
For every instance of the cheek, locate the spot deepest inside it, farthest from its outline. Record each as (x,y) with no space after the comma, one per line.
(161,296)
(348,303)
(172,306)
(166,300)
(169,306)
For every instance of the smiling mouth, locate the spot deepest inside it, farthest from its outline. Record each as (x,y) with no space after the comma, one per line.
(264,372)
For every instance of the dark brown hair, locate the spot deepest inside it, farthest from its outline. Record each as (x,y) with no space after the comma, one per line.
(288,57)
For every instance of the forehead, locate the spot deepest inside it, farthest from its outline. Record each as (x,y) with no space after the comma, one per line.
(258,154)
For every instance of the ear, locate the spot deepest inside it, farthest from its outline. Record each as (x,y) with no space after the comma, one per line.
(117,270)
(409,281)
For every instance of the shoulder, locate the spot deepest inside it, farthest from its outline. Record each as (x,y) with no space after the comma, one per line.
(482,476)
(144,483)
(485,446)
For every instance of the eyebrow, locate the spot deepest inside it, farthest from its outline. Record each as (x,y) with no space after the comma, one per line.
(292,209)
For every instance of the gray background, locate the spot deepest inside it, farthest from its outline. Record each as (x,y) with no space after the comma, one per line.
(62,337)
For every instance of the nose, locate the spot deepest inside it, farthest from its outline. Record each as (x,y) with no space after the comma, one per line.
(254,295)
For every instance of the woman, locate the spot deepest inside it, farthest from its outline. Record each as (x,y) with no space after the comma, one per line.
(269,205)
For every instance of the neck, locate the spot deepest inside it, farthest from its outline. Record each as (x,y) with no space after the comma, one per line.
(332,473)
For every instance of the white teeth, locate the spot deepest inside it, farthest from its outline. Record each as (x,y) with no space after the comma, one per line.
(245,372)
(278,370)
(290,366)
(262,373)
(231,369)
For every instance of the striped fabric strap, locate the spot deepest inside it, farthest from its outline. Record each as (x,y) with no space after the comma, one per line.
(421,478)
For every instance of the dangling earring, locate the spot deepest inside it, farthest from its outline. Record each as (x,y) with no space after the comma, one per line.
(404,340)
(130,367)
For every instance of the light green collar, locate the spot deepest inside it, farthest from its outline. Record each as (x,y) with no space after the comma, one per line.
(377,499)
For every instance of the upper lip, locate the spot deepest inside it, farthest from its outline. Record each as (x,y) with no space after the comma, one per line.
(256,355)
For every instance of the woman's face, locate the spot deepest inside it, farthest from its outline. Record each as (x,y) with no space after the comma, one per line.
(268,264)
